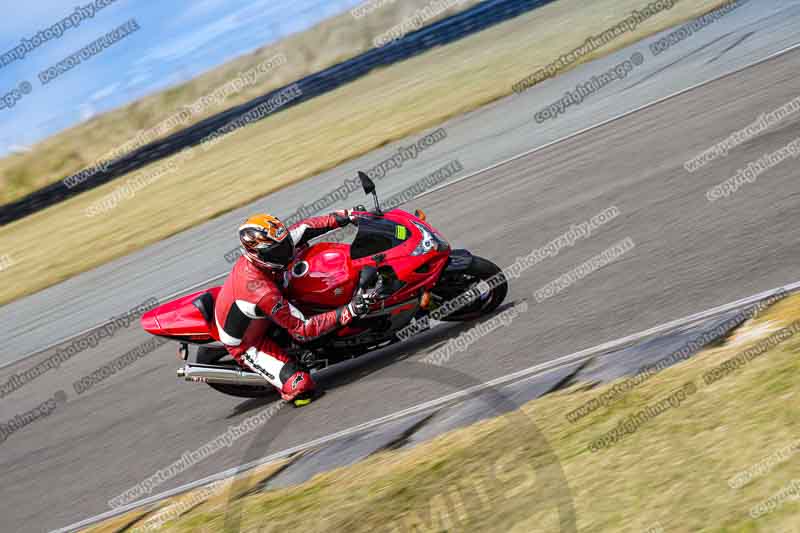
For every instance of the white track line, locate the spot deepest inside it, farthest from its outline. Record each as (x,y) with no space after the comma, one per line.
(459,180)
(506,380)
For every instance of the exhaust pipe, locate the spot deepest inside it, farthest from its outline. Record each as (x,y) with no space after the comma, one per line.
(220,374)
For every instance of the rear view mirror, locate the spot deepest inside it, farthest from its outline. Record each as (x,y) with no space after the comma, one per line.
(366,183)
(369,188)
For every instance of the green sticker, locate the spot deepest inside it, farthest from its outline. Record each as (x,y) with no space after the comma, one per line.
(401,232)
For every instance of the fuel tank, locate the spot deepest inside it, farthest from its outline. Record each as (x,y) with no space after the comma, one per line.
(322,276)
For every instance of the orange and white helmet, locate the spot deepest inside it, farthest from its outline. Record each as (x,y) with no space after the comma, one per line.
(266,242)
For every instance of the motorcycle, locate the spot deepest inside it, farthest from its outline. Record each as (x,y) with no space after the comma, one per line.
(405,263)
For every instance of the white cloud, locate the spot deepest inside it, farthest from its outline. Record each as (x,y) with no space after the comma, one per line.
(138,79)
(201,8)
(87,112)
(188,43)
(105,92)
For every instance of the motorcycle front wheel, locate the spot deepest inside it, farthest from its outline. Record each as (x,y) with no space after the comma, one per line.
(483,279)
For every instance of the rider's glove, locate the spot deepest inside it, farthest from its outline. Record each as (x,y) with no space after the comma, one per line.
(360,303)
(358,306)
(344,217)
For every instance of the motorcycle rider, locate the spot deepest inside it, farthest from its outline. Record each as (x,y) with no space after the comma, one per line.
(252,303)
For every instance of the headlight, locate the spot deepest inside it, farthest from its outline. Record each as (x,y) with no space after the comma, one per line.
(427,243)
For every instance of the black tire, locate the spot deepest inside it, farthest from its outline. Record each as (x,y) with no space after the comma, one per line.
(479,270)
(212,356)
(209,356)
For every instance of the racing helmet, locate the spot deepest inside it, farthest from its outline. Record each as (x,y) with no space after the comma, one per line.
(266,242)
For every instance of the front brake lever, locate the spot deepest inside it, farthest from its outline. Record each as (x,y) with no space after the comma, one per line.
(374,293)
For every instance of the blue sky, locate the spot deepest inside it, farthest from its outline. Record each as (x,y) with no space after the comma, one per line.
(178,39)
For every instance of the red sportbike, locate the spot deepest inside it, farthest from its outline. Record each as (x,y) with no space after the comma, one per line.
(396,255)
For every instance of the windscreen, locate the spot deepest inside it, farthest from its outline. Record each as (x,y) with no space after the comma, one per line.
(376,235)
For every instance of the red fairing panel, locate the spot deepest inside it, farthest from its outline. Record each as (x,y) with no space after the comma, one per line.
(406,265)
(180,318)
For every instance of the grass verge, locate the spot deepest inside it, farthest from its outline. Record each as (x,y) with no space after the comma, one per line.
(676,472)
(386,105)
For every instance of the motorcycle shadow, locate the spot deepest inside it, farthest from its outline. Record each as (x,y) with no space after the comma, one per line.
(359,368)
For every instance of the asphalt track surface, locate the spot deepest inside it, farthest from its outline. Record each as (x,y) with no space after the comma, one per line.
(690,255)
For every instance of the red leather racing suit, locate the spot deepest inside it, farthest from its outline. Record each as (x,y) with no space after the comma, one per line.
(252,301)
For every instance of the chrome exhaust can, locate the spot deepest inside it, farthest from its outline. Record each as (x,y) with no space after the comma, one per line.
(220,374)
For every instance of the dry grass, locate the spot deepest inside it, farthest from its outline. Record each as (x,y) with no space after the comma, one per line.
(386,105)
(187,502)
(673,471)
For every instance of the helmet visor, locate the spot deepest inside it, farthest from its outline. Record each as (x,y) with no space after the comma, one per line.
(276,253)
